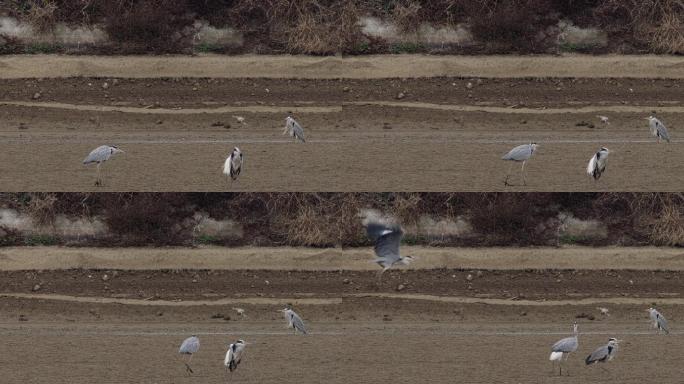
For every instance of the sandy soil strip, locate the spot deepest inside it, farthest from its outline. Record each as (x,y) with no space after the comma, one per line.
(185,111)
(336,109)
(338,300)
(360,67)
(535,111)
(188,303)
(310,259)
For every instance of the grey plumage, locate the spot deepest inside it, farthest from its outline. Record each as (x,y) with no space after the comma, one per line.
(234,355)
(189,347)
(658,129)
(293,129)
(99,155)
(233,165)
(659,321)
(603,353)
(387,239)
(564,347)
(597,164)
(294,321)
(521,153)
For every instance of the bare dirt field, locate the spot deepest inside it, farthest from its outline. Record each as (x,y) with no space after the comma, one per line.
(440,325)
(449,135)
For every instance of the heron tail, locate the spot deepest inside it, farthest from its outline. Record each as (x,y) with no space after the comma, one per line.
(555,356)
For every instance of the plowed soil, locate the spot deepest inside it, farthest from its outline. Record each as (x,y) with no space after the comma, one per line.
(439,325)
(420,134)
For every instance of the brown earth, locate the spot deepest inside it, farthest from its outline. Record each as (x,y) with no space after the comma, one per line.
(202,284)
(496,326)
(176,133)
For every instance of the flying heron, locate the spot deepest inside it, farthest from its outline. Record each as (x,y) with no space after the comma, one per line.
(597,164)
(293,129)
(233,164)
(521,153)
(99,155)
(294,321)
(564,347)
(189,347)
(603,353)
(658,129)
(387,239)
(659,322)
(234,355)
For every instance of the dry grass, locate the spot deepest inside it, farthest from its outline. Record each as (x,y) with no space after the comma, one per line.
(407,17)
(658,217)
(41,14)
(657,23)
(333,219)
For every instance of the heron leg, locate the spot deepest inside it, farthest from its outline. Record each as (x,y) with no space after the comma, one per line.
(97,177)
(187,366)
(523,173)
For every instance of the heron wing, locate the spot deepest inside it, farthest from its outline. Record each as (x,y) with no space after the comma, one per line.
(519,153)
(297,323)
(189,345)
(387,247)
(599,354)
(229,356)
(569,344)
(592,165)
(99,154)
(298,131)
(227,164)
(662,131)
(662,322)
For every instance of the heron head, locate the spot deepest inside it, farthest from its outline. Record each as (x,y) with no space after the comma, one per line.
(534,146)
(241,341)
(115,149)
(604,149)
(650,117)
(613,340)
(408,259)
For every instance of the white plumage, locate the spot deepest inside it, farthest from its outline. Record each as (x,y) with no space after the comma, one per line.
(293,129)
(521,153)
(597,164)
(234,355)
(294,321)
(658,129)
(233,165)
(99,155)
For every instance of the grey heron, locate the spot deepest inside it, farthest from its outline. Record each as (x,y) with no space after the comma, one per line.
(603,353)
(240,311)
(564,347)
(387,239)
(99,155)
(189,347)
(233,164)
(597,164)
(234,355)
(294,321)
(293,129)
(659,321)
(521,153)
(658,129)
(604,119)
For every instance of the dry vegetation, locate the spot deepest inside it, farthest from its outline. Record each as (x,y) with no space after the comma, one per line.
(332,26)
(332,219)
